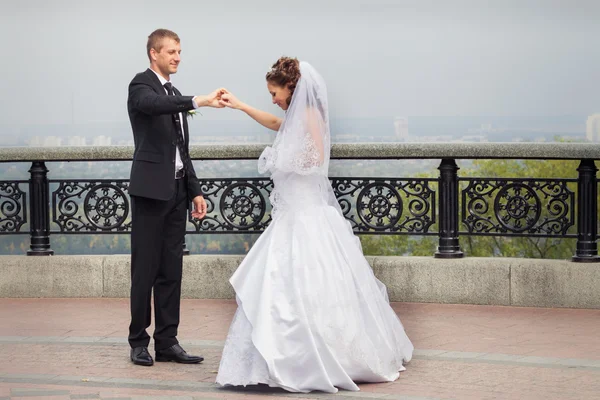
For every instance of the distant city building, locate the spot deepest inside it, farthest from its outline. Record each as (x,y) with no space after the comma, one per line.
(433,139)
(76,141)
(35,141)
(592,129)
(486,127)
(474,138)
(401,129)
(102,141)
(345,138)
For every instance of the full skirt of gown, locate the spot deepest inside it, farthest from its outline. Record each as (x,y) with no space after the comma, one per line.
(311,314)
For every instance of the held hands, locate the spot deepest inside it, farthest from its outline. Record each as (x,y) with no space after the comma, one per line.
(214,99)
(220,98)
(229,100)
(210,100)
(199,210)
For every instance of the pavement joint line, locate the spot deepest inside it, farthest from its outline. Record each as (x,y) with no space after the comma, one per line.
(591,365)
(419,354)
(38,392)
(97,341)
(200,387)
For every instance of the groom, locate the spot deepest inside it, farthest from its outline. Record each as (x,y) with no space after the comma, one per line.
(162,185)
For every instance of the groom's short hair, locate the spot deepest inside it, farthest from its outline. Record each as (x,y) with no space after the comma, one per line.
(156,37)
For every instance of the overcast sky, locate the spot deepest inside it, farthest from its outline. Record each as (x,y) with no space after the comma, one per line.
(69,61)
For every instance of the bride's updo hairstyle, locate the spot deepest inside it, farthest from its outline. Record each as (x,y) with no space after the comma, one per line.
(285,73)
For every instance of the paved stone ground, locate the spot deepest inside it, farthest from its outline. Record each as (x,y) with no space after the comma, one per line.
(76,349)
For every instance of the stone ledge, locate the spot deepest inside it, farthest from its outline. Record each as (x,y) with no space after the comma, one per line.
(554,283)
(490,281)
(60,276)
(560,151)
(458,281)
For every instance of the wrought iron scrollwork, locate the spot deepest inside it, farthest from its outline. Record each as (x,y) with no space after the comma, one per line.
(370,205)
(489,206)
(91,206)
(13,207)
(235,205)
(518,206)
(386,205)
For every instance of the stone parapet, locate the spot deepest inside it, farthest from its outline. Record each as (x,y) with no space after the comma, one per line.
(491,281)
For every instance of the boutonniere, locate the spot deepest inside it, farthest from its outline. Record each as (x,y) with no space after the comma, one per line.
(192,113)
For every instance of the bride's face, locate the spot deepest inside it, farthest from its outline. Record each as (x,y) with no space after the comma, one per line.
(279,95)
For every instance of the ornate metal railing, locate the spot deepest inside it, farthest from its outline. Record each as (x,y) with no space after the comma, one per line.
(539,207)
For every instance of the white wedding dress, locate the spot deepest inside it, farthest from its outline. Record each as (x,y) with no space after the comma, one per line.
(311,314)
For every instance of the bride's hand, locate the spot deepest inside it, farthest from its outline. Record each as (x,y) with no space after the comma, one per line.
(229,100)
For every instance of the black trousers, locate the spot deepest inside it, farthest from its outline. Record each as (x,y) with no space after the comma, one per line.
(157,236)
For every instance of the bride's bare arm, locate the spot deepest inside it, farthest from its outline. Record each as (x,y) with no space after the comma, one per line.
(262,117)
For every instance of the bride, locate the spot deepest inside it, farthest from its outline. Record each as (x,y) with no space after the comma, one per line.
(311,315)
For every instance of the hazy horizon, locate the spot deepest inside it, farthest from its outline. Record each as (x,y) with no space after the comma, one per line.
(69,62)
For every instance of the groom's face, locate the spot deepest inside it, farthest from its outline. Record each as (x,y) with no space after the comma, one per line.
(168,58)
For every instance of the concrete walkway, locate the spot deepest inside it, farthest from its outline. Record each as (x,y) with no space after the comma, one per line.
(76,349)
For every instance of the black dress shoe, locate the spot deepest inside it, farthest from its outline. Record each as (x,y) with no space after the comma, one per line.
(177,354)
(140,356)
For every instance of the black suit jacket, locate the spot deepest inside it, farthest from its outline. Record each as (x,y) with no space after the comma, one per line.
(154,134)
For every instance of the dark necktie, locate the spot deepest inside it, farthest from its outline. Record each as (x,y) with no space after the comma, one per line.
(180,145)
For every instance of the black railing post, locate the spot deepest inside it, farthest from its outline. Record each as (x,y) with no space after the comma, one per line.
(449,246)
(39,207)
(186,251)
(587,213)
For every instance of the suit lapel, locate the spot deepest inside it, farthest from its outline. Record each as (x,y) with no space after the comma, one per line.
(156,82)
